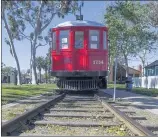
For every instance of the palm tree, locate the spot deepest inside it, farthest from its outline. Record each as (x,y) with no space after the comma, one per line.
(49,62)
(46,66)
(39,64)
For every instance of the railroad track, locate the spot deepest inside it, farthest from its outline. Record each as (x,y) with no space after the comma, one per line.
(74,114)
(144,119)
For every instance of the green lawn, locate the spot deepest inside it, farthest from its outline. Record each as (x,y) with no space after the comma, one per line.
(143,91)
(11,93)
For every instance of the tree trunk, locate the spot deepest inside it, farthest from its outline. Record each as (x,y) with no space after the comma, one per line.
(110,65)
(31,68)
(13,49)
(49,74)
(142,58)
(37,32)
(46,75)
(40,75)
(18,68)
(31,64)
(143,62)
(34,73)
(127,69)
(110,72)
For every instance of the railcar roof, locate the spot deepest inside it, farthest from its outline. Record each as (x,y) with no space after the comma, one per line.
(80,23)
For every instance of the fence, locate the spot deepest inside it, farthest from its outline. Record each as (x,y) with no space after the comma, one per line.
(146,82)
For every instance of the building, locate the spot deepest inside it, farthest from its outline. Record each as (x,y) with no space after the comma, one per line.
(152,69)
(121,73)
(9,77)
(150,79)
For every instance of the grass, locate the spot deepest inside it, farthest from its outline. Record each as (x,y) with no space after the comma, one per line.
(117,131)
(11,93)
(143,91)
(9,113)
(75,131)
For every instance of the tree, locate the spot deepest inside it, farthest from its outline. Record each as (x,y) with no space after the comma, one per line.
(127,29)
(28,71)
(6,70)
(12,26)
(39,64)
(49,62)
(147,46)
(145,39)
(153,13)
(38,15)
(2,65)
(46,66)
(118,34)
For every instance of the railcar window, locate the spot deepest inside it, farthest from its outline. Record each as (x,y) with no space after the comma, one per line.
(104,40)
(64,39)
(79,39)
(94,39)
(150,72)
(54,40)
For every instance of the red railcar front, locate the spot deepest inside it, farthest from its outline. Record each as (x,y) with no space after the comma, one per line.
(80,55)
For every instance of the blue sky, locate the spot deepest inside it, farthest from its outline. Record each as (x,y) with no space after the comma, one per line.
(92,10)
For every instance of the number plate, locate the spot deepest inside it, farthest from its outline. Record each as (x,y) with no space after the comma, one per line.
(98,62)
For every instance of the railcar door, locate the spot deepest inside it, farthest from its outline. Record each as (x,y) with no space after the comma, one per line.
(97,50)
(79,47)
(62,52)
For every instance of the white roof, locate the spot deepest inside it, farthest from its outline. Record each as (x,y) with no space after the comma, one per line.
(80,23)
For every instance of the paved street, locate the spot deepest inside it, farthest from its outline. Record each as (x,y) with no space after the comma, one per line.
(144,102)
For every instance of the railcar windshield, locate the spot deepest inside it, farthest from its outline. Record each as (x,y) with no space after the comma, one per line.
(64,39)
(79,39)
(94,39)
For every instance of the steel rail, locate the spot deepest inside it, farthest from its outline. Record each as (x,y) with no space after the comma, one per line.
(134,126)
(18,121)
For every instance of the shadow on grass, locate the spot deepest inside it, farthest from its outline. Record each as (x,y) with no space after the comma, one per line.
(12,94)
(25,88)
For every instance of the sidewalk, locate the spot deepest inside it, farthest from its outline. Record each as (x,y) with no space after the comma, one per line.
(145,102)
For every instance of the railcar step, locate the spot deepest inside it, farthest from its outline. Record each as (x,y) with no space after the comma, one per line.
(78,124)
(79,115)
(78,109)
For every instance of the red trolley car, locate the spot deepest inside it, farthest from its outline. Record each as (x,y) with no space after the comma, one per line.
(80,55)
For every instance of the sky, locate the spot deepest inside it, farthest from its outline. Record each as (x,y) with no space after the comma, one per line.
(92,10)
